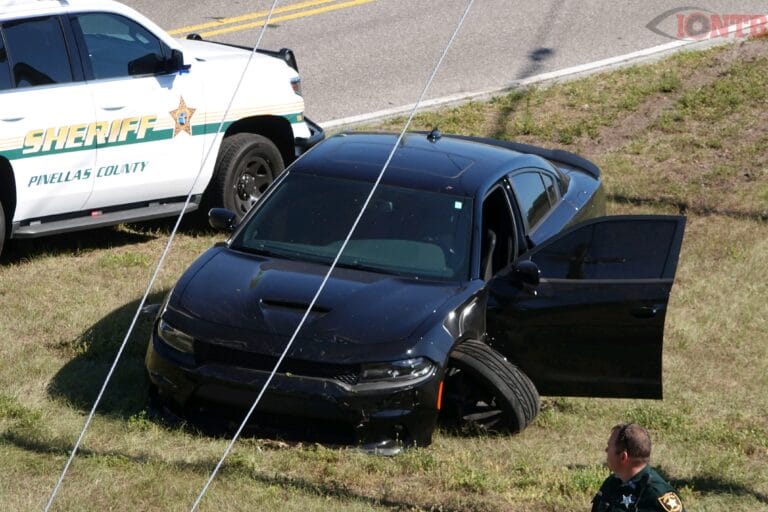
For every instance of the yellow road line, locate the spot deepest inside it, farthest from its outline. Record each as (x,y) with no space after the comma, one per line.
(263,14)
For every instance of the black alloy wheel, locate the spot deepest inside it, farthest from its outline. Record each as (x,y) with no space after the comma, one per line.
(485,393)
(247,165)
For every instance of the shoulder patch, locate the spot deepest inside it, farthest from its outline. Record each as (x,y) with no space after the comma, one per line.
(671,503)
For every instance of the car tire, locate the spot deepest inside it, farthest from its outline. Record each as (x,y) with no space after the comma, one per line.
(485,393)
(247,164)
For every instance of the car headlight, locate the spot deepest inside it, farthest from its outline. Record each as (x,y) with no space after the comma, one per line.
(173,337)
(407,369)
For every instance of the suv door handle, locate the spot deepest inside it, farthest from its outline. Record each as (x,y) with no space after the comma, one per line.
(648,311)
(111,109)
(12,119)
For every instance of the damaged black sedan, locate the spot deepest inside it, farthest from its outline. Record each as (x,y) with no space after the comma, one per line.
(481,275)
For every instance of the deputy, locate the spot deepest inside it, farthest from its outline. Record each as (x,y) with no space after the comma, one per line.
(634,486)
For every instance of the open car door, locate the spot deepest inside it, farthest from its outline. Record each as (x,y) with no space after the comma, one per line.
(593,325)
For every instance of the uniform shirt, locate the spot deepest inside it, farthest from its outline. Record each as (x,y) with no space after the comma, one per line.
(645,492)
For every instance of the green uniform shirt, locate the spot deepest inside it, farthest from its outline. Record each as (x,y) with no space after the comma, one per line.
(645,492)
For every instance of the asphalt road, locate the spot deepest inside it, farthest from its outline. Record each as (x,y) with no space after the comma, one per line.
(360,56)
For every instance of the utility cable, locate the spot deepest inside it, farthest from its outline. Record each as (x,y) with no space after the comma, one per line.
(335,261)
(159,266)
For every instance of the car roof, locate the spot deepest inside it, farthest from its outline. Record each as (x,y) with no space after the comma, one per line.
(19,8)
(445,164)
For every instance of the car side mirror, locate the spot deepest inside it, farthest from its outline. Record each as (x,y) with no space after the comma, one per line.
(222,219)
(526,272)
(175,62)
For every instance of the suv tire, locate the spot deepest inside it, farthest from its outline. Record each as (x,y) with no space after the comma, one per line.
(247,164)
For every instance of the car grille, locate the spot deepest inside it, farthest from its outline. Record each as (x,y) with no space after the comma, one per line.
(217,354)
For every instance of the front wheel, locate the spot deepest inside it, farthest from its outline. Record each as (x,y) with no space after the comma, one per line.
(485,393)
(247,164)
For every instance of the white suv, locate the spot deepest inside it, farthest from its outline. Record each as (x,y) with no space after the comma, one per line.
(105,118)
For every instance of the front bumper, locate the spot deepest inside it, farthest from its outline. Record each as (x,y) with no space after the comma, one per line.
(303,144)
(370,413)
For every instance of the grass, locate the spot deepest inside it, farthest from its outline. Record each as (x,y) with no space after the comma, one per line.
(684,134)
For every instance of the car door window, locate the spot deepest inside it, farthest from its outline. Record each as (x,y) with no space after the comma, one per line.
(499,235)
(630,248)
(549,184)
(37,52)
(532,196)
(119,47)
(5,70)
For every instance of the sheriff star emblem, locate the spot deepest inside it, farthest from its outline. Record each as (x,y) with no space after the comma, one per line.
(182,118)
(671,502)
(627,500)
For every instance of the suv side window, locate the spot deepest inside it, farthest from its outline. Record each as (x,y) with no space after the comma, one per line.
(5,70)
(532,196)
(118,47)
(37,52)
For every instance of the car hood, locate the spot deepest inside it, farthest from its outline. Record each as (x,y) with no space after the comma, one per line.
(209,51)
(244,292)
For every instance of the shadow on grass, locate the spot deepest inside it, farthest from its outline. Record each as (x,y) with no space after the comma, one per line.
(711,484)
(18,250)
(201,470)
(79,381)
(704,484)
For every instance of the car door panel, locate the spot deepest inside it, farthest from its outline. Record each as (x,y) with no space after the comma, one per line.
(44,121)
(594,325)
(146,146)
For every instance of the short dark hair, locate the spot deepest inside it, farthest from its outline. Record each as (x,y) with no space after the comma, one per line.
(634,439)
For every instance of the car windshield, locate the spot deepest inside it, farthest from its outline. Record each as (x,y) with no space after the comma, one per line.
(404,231)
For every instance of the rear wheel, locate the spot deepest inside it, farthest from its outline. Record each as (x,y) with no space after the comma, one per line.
(247,164)
(485,393)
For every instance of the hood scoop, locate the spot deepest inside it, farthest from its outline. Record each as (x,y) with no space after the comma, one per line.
(297,306)
(282,316)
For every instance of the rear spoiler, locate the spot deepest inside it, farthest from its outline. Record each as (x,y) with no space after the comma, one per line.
(284,54)
(557,156)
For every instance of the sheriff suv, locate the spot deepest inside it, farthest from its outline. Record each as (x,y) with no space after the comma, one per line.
(105,118)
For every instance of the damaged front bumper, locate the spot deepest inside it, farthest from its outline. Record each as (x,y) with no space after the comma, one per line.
(375,414)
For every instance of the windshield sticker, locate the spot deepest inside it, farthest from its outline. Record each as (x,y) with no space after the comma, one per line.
(458,205)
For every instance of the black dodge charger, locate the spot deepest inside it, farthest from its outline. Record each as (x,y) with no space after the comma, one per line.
(481,275)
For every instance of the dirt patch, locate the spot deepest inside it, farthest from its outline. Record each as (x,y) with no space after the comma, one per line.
(637,122)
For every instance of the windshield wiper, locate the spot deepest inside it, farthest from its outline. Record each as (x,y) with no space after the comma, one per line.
(368,268)
(261,251)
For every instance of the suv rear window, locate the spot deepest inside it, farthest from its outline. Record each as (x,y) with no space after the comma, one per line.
(37,52)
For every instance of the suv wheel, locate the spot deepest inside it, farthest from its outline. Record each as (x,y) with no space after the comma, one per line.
(485,393)
(247,164)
